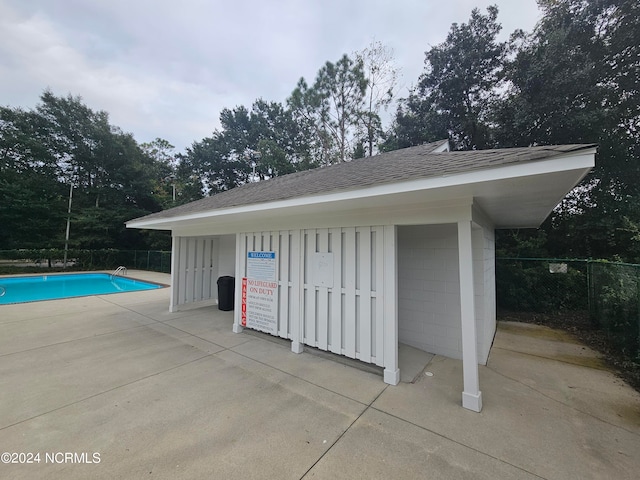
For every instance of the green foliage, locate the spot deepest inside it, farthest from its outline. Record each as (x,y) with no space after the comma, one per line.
(529,286)
(333,120)
(416,122)
(610,290)
(165,182)
(255,144)
(32,207)
(615,291)
(522,243)
(50,260)
(332,108)
(574,80)
(63,142)
(462,76)
(459,85)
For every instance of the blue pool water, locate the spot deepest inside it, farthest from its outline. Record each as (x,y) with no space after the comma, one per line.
(50,287)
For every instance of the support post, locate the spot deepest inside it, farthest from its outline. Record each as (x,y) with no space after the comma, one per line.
(241,258)
(391,369)
(471,395)
(175,251)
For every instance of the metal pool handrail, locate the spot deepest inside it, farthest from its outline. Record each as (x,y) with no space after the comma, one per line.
(3,290)
(121,270)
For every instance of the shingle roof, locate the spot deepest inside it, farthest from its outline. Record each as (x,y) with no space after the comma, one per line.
(399,165)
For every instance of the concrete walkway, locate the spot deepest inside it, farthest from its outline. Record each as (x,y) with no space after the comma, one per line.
(149,394)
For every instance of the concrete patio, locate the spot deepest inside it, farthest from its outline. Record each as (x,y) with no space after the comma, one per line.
(178,395)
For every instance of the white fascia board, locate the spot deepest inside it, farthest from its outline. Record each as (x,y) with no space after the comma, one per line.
(425,215)
(583,160)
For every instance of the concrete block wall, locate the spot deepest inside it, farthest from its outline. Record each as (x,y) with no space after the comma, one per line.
(485,289)
(429,289)
(227,255)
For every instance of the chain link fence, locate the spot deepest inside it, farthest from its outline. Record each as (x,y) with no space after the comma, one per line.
(24,260)
(608,291)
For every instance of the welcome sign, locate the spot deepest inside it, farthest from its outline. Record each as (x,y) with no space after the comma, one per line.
(260,293)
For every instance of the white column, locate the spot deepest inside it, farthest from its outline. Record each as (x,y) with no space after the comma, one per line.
(471,395)
(390,292)
(173,301)
(241,256)
(297,291)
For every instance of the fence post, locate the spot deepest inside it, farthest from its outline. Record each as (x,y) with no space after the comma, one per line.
(594,303)
(637,355)
(590,289)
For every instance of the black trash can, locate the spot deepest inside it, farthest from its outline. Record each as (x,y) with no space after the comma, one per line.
(226,292)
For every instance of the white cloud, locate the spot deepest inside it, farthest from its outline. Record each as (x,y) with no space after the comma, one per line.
(166,69)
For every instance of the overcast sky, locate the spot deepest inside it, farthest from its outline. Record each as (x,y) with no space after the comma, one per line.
(167,68)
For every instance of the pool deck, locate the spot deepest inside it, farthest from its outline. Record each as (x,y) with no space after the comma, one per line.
(178,395)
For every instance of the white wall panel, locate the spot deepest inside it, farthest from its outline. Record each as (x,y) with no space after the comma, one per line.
(346,317)
(349,319)
(286,246)
(339,308)
(335,296)
(322,296)
(284,287)
(194,270)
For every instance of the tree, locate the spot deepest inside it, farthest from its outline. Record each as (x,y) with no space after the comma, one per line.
(332,107)
(166,184)
(253,144)
(416,122)
(462,78)
(209,162)
(63,142)
(305,107)
(382,78)
(32,209)
(575,80)
(282,143)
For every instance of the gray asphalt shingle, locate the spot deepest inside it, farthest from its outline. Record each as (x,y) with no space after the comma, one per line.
(400,165)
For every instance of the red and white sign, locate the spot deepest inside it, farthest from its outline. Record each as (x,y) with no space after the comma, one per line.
(244,303)
(260,305)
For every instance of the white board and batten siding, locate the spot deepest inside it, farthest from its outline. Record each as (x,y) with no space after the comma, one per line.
(197,262)
(331,290)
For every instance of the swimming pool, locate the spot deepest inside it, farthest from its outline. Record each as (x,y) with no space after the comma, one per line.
(50,287)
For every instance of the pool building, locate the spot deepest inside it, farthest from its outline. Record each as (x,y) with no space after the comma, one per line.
(358,257)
